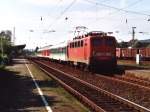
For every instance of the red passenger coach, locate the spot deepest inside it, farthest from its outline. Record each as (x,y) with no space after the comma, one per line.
(95,50)
(44,52)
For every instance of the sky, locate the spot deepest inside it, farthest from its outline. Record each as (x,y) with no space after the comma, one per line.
(48,22)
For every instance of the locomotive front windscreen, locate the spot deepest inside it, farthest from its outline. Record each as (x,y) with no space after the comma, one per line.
(99,42)
(103,51)
(103,47)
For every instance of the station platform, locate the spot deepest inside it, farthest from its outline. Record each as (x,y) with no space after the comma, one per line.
(19,93)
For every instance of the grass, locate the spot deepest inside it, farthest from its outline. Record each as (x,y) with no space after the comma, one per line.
(66,99)
(2,67)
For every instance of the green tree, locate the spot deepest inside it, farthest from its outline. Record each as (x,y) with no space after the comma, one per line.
(5,45)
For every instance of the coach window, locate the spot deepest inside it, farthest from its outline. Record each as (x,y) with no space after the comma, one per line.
(63,50)
(56,50)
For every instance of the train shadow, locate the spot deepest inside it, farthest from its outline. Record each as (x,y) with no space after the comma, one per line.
(18,93)
(110,72)
(128,67)
(121,69)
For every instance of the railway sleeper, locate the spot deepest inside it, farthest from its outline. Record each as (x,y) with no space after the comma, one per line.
(128,108)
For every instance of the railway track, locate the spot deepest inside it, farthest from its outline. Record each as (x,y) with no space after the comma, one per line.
(141,82)
(99,100)
(131,91)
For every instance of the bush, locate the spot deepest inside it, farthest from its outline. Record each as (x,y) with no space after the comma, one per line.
(4,60)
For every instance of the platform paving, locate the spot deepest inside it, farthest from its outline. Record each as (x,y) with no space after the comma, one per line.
(17,90)
(19,94)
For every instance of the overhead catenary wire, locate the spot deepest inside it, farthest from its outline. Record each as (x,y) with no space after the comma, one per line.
(115,8)
(114,12)
(118,10)
(57,5)
(100,4)
(63,12)
(97,3)
(104,17)
(125,19)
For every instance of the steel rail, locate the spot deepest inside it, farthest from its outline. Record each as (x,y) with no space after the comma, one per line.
(84,99)
(123,81)
(141,82)
(125,101)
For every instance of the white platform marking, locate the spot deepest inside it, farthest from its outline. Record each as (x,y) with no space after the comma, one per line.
(48,108)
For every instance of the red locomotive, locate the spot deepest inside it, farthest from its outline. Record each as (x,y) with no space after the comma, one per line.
(94,50)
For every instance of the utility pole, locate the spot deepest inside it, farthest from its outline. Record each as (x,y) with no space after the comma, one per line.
(133,33)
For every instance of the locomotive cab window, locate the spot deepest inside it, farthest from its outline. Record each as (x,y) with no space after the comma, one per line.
(70,45)
(81,43)
(73,45)
(76,44)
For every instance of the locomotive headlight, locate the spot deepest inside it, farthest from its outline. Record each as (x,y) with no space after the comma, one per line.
(100,54)
(108,54)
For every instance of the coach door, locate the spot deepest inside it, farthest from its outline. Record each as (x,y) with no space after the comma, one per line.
(85,49)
